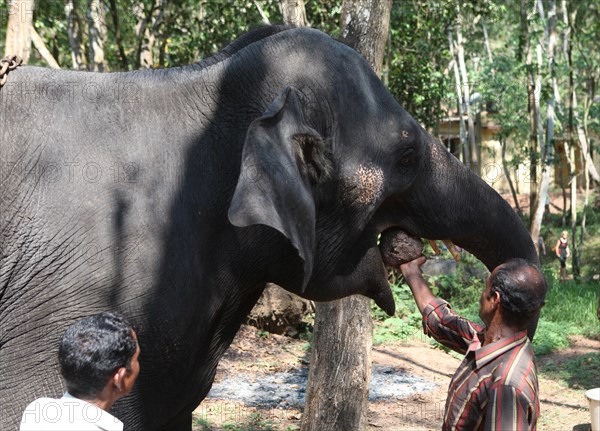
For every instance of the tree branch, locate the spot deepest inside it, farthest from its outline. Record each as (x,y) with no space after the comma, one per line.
(39,44)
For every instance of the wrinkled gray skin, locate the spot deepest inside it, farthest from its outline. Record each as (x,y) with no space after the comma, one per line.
(173,196)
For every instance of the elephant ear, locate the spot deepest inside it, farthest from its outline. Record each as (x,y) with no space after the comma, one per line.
(278,164)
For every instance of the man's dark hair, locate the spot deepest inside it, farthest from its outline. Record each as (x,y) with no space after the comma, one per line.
(92,349)
(522,289)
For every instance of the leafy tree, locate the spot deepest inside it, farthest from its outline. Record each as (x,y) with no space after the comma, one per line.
(416,56)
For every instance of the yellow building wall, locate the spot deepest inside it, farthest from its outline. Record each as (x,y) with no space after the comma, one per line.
(492,171)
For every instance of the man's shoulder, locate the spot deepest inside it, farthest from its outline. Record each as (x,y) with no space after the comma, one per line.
(66,413)
(518,367)
(47,402)
(44,401)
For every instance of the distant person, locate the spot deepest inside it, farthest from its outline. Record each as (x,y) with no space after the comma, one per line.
(98,357)
(562,252)
(495,387)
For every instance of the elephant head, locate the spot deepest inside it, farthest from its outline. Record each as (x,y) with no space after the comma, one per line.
(334,161)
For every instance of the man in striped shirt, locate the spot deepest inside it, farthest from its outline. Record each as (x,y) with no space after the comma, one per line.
(495,386)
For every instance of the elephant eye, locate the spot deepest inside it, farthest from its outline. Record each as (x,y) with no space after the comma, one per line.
(408,158)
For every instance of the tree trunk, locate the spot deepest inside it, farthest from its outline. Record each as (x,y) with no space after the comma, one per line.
(573,179)
(586,161)
(570,154)
(466,153)
(547,150)
(96,35)
(531,106)
(340,367)
(146,30)
(365,25)
(294,12)
(460,53)
(75,35)
(18,32)
(486,42)
(571,157)
(118,37)
(569,22)
(39,44)
(507,173)
(145,38)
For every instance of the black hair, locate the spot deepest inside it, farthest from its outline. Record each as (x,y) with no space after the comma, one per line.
(522,289)
(92,350)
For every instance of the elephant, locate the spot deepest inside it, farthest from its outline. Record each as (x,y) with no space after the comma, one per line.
(173,196)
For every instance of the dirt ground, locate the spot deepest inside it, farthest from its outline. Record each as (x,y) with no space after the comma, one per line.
(254,353)
(556,201)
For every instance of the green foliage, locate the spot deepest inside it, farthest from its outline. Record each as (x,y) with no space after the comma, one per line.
(201,28)
(403,298)
(550,337)
(417,32)
(237,420)
(396,329)
(404,324)
(324,15)
(463,289)
(254,423)
(188,31)
(201,425)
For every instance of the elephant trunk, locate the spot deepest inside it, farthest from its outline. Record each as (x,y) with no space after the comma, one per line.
(469,212)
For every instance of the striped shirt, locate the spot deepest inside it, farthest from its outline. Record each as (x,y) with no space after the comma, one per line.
(495,387)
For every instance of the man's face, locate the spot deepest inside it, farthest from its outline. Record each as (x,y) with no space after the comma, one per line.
(134,369)
(486,303)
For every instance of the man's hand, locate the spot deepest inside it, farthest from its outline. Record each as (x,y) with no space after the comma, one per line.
(400,250)
(413,267)
(414,278)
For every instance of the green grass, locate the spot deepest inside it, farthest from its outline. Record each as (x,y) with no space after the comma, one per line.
(573,304)
(397,329)
(575,373)
(570,310)
(250,422)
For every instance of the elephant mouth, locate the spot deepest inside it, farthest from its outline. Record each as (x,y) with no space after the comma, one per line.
(395,247)
(398,247)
